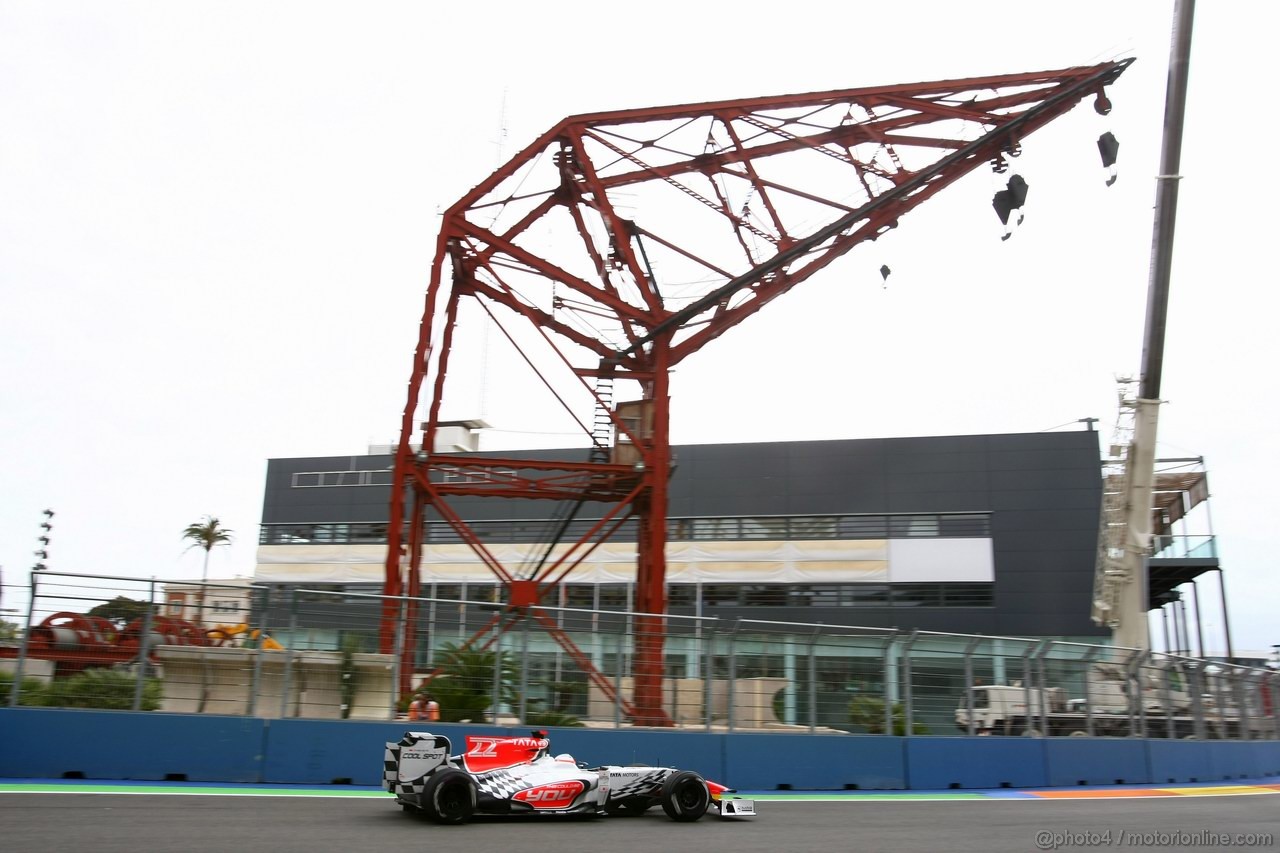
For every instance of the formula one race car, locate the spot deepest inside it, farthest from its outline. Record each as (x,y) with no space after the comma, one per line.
(518,775)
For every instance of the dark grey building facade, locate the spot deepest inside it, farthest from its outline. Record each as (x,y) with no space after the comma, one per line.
(980,534)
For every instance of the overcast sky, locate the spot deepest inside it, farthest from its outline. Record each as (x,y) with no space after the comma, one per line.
(217,219)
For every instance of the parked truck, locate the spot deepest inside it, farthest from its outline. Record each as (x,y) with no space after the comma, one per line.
(1154,703)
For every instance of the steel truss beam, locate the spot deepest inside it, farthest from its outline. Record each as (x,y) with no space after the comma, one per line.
(618,244)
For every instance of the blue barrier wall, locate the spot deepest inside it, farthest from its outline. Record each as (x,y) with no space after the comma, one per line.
(756,762)
(51,743)
(976,762)
(1098,761)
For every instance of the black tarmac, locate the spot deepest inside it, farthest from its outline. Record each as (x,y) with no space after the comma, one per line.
(112,823)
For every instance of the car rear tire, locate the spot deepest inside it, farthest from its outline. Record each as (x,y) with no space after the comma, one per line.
(449,797)
(685,796)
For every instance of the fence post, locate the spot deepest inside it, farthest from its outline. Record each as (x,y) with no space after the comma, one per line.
(288,654)
(1088,689)
(813,680)
(708,669)
(1137,703)
(1196,688)
(730,709)
(1027,681)
(143,643)
(969,649)
(619,663)
(1239,676)
(1042,668)
(789,673)
(1166,699)
(524,669)
(497,676)
(15,689)
(1271,685)
(889,679)
(256,683)
(908,712)
(397,656)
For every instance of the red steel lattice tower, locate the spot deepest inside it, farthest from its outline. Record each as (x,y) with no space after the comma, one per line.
(617,245)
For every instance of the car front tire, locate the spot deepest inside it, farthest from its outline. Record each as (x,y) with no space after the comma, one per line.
(685,796)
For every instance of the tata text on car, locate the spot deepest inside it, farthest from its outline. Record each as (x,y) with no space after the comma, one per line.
(519,775)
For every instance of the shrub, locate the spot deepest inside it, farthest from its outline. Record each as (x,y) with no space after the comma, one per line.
(31,693)
(111,689)
(868,712)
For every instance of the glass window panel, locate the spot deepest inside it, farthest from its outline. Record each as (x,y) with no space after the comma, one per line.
(580,595)
(861,527)
(764,595)
(613,595)
(715,528)
(975,524)
(917,595)
(813,527)
(867,595)
(719,594)
(764,528)
(913,525)
(681,594)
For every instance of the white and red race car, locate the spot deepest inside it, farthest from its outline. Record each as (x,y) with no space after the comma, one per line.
(519,775)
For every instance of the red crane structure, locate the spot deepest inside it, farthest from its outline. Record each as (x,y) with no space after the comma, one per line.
(617,245)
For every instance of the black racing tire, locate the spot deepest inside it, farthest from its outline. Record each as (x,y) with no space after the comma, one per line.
(685,796)
(449,797)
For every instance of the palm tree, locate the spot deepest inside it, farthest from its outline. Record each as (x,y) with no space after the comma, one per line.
(206,535)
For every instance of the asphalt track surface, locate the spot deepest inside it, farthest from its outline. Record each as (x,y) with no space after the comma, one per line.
(233,819)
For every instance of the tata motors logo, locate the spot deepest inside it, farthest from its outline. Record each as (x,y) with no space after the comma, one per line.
(557,795)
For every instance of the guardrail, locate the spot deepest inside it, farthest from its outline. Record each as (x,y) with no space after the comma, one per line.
(312,653)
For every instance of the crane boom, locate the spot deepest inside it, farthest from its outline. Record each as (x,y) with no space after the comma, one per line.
(1120,599)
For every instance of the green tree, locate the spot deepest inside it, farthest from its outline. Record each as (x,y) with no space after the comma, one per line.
(207,534)
(120,611)
(464,687)
(868,712)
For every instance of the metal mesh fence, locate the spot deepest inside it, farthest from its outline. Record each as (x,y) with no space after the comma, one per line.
(273,651)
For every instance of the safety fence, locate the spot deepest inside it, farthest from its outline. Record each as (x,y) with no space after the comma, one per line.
(314,653)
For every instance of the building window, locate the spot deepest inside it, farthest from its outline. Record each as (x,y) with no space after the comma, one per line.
(613,596)
(917,595)
(175,604)
(764,595)
(719,594)
(911,526)
(764,528)
(778,528)
(813,527)
(682,594)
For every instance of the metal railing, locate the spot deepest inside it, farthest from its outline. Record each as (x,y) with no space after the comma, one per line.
(273,651)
